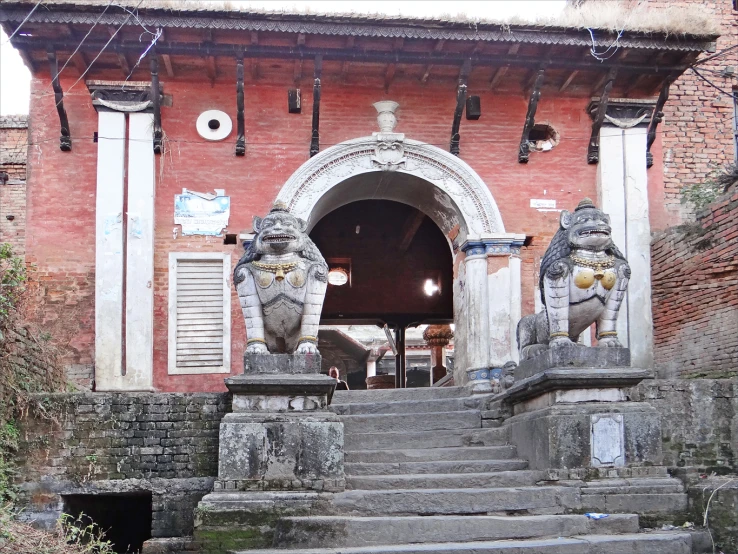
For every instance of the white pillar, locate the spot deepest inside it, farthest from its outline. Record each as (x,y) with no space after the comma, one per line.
(371,367)
(623,194)
(476,310)
(516,303)
(500,320)
(109,250)
(140,254)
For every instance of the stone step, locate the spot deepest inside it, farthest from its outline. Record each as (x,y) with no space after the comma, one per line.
(649,503)
(376,423)
(431,454)
(437,467)
(408,406)
(332,531)
(634,486)
(518,478)
(673,543)
(525,500)
(426,439)
(396,395)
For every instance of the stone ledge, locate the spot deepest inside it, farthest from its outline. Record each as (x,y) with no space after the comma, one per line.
(292,364)
(282,384)
(574,356)
(584,378)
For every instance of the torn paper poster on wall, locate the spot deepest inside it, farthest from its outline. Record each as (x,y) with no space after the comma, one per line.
(202,213)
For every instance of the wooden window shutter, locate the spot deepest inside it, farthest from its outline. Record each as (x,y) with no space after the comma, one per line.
(199,313)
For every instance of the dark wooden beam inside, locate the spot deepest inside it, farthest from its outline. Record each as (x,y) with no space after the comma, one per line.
(65,139)
(241,129)
(638,80)
(389,73)
(460,103)
(167,59)
(593,150)
(656,118)
(501,71)
(410,228)
(573,74)
(530,117)
(315,135)
(78,59)
(156,101)
(426,73)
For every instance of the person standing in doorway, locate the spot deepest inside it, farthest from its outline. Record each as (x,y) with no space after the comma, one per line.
(333,372)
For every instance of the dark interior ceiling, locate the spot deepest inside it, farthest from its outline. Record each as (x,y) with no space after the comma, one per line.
(396,249)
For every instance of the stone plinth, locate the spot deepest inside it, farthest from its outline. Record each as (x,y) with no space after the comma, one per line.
(582,418)
(574,356)
(280,435)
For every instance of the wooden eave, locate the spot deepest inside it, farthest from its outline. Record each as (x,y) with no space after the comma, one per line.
(365,49)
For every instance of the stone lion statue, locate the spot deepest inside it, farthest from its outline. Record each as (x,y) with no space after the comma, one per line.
(281,282)
(583,280)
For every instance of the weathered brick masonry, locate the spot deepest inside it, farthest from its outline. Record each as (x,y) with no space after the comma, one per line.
(695,294)
(115,443)
(13,149)
(697,131)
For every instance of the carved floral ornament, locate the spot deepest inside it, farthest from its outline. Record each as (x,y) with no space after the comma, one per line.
(438,335)
(389,151)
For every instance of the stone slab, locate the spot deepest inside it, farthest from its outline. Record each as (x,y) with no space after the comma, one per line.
(517,478)
(277,384)
(337,531)
(431,454)
(444,467)
(376,423)
(581,378)
(575,356)
(270,364)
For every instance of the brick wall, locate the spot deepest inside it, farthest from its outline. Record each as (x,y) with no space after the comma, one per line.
(699,422)
(695,294)
(13,149)
(106,443)
(697,131)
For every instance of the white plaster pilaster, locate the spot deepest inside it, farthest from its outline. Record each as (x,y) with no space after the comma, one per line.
(109,250)
(516,303)
(476,288)
(140,254)
(622,184)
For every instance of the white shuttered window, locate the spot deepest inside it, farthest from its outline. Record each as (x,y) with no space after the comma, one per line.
(199,313)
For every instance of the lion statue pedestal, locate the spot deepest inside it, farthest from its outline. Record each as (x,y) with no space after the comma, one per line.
(280,447)
(570,402)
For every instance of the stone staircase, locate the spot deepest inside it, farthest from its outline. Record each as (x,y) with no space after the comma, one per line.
(425,476)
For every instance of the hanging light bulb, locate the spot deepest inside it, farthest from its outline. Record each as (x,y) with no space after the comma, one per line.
(430,288)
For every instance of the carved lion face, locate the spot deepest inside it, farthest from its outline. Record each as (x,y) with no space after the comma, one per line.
(279,233)
(588,228)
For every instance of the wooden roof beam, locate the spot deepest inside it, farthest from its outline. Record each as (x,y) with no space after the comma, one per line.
(572,74)
(501,71)
(78,59)
(166,58)
(426,73)
(530,117)
(410,229)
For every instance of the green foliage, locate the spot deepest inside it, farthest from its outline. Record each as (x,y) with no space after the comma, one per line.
(72,535)
(8,444)
(717,182)
(12,282)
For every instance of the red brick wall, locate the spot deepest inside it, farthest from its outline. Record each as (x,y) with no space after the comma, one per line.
(695,294)
(13,146)
(61,199)
(697,131)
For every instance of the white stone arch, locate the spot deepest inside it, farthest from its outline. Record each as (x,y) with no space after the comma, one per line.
(457,189)
(449,191)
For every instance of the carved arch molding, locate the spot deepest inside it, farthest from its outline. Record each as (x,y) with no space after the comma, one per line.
(438,183)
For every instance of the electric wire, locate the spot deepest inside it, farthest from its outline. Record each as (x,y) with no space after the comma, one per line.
(18,28)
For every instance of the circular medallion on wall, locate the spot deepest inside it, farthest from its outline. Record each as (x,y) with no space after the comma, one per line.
(214,125)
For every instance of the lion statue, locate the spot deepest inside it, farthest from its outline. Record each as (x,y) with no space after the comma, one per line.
(281,282)
(583,280)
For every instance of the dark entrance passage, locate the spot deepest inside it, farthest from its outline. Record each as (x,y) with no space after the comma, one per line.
(398,267)
(125,518)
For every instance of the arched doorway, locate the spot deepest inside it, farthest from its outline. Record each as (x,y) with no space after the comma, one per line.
(387,166)
(399,273)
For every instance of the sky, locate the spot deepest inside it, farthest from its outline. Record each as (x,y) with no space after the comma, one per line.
(15,78)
